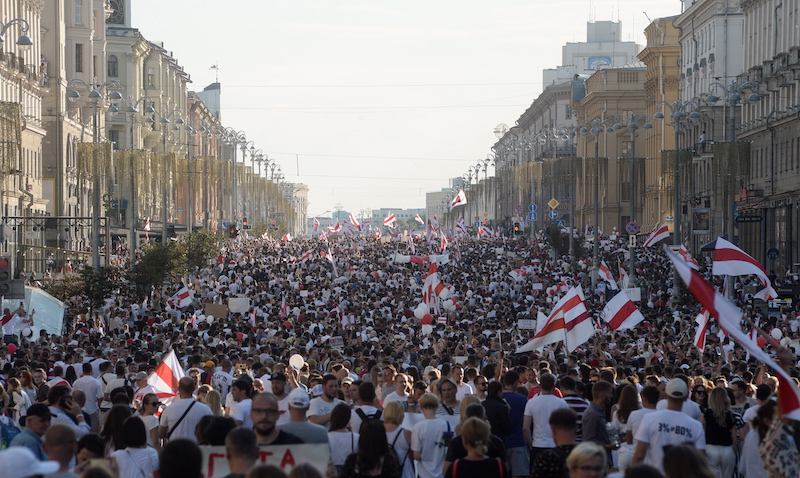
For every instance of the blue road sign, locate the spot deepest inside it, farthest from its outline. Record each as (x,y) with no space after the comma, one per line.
(518,208)
(632,227)
(533,208)
(533,216)
(476,223)
(773,253)
(553,214)
(561,223)
(527,224)
(224,225)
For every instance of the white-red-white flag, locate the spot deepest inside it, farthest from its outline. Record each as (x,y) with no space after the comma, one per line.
(164,379)
(419,219)
(732,261)
(389,220)
(147,225)
(459,200)
(287,237)
(336,227)
(702,320)
(306,256)
(549,330)
(518,274)
(443,244)
(621,313)
(182,298)
(316,224)
(432,287)
(355,222)
(283,313)
(687,257)
(658,234)
(605,274)
(729,318)
(623,277)
(577,321)
(329,256)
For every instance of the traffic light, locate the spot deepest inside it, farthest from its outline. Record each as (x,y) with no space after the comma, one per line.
(518,229)
(5,274)
(245,225)
(232,232)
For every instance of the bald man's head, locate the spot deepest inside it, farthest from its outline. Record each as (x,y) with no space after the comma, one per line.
(186,387)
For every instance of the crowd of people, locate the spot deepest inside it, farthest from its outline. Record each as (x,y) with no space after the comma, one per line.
(333,350)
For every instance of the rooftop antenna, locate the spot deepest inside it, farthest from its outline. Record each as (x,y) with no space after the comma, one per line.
(215,67)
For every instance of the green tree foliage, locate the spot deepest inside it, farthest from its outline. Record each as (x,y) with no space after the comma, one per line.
(201,246)
(101,284)
(158,264)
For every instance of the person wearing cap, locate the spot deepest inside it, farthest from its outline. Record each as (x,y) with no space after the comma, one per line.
(21,462)
(36,423)
(278,385)
(320,408)
(61,445)
(688,407)
(668,427)
(143,388)
(241,390)
(298,424)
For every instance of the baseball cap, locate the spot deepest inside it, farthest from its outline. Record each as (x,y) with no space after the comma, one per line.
(317,390)
(210,364)
(140,376)
(279,376)
(20,462)
(347,380)
(39,410)
(298,398)
(677,388)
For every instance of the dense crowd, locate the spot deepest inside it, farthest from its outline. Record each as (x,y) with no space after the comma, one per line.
(333,347)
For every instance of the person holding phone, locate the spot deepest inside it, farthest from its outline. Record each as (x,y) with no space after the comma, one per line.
(65,411)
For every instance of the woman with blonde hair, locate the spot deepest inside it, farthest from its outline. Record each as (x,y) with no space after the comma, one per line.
(19,403)
(475,435)
(202,392)
(399,438)
(462,409)
(214,402)
(587,459)
(721,437)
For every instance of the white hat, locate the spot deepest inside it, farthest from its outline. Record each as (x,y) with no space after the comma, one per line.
(677,388)
(298,398)
(20,462)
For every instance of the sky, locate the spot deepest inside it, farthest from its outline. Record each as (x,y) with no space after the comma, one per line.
(373,103)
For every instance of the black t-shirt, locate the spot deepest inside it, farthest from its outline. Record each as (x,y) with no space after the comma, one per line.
(715,434)
(496,449)
(287,439)
(476,469)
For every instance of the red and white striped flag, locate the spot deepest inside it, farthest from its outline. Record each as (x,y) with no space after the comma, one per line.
(657,235)
(419,219)
(283,313)
(182,298)
(549,330)
(443,320)
(729,317)
(355,222)
(329,256)
(621,313)
(459,200)
(687,257)
(702,320)
(164,379)
(336,227)
(577,321)
(432,287)
(316,224)
(461,226)
(253,318)
(287,237)
(443,245)
(389,220)
(147,225)
(623,276)
(306,256)
(732,261)
(605,274)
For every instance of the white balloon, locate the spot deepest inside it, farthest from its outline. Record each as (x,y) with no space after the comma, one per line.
(296,361)
(776,333)
(427,329)
(469,293)
(445,294)
(210,319)
(419,312)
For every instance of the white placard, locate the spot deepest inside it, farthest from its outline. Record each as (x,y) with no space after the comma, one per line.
(238,305)
(634,293)
(527,324)
(337,342)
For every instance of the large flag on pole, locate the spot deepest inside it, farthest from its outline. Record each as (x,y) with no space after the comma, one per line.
(732,261)
(623,277)
(621,313)
(702,320)
(164,379)
(549,330)
(419,219)
(657,235)
(459,200)
(687,257)
(316,224)
(389,220)
(729,318)
(605,274)
(580,327)
(182,298)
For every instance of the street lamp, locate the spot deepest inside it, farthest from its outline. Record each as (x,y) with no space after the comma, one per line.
(631,122)
(165,120)
(678,114)
(98,92)
(596,127)
(24,42)
(733,95)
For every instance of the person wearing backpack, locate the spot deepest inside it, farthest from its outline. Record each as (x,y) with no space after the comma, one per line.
(476,434)
(367,409)
(399,438)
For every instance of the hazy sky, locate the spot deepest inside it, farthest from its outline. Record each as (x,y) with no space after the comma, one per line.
(374,103)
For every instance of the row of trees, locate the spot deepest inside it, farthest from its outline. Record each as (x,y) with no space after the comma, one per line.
(157,265)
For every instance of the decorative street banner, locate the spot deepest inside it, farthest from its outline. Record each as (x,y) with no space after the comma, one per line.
(285,457)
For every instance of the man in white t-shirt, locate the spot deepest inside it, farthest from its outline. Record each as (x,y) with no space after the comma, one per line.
(172,425)
(536,420)
(278,385)
(320,409)
(430,439)
(403,385)
(241,391)
(221,381)
(667,427)
(462,388)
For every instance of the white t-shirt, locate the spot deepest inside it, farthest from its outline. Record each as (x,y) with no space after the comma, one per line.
(464,390)
(283,406)
(539,409)
(426,437)
(319,407)
(342,445)
(241,412)
(635,420)
(185,428)
(394,397)
(668,427)
(355,420)
(221,382)
(689,407)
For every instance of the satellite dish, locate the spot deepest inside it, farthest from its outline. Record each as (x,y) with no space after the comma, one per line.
(500,130)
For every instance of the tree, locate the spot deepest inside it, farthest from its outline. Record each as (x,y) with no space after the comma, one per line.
(201,245)
(100,284)
(158,264)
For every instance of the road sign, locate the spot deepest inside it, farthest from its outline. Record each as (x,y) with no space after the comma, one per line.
(553,214)
(518,208)
(224,225)
(632,227)
(553,203)
(773,253)
(533,216)
(533,208)
(527,224)
(476,223)
(486,214)
(561,223)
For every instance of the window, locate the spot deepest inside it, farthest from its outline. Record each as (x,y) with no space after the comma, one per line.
(78,12)
(78,58)
(113,136)
(113,67)
(568,112)
(149,81)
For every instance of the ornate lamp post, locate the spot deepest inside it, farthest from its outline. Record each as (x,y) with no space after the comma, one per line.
(732,95)
(165,120)
(596,127)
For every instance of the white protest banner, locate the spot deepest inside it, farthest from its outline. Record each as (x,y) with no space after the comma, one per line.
(337,342)
(537,286)
(528,324)
(285,457)
(238,305)
(635,293)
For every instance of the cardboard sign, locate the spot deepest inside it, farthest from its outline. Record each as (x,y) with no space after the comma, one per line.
(527,324)
(337,342)
(219,311)
(285,457)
